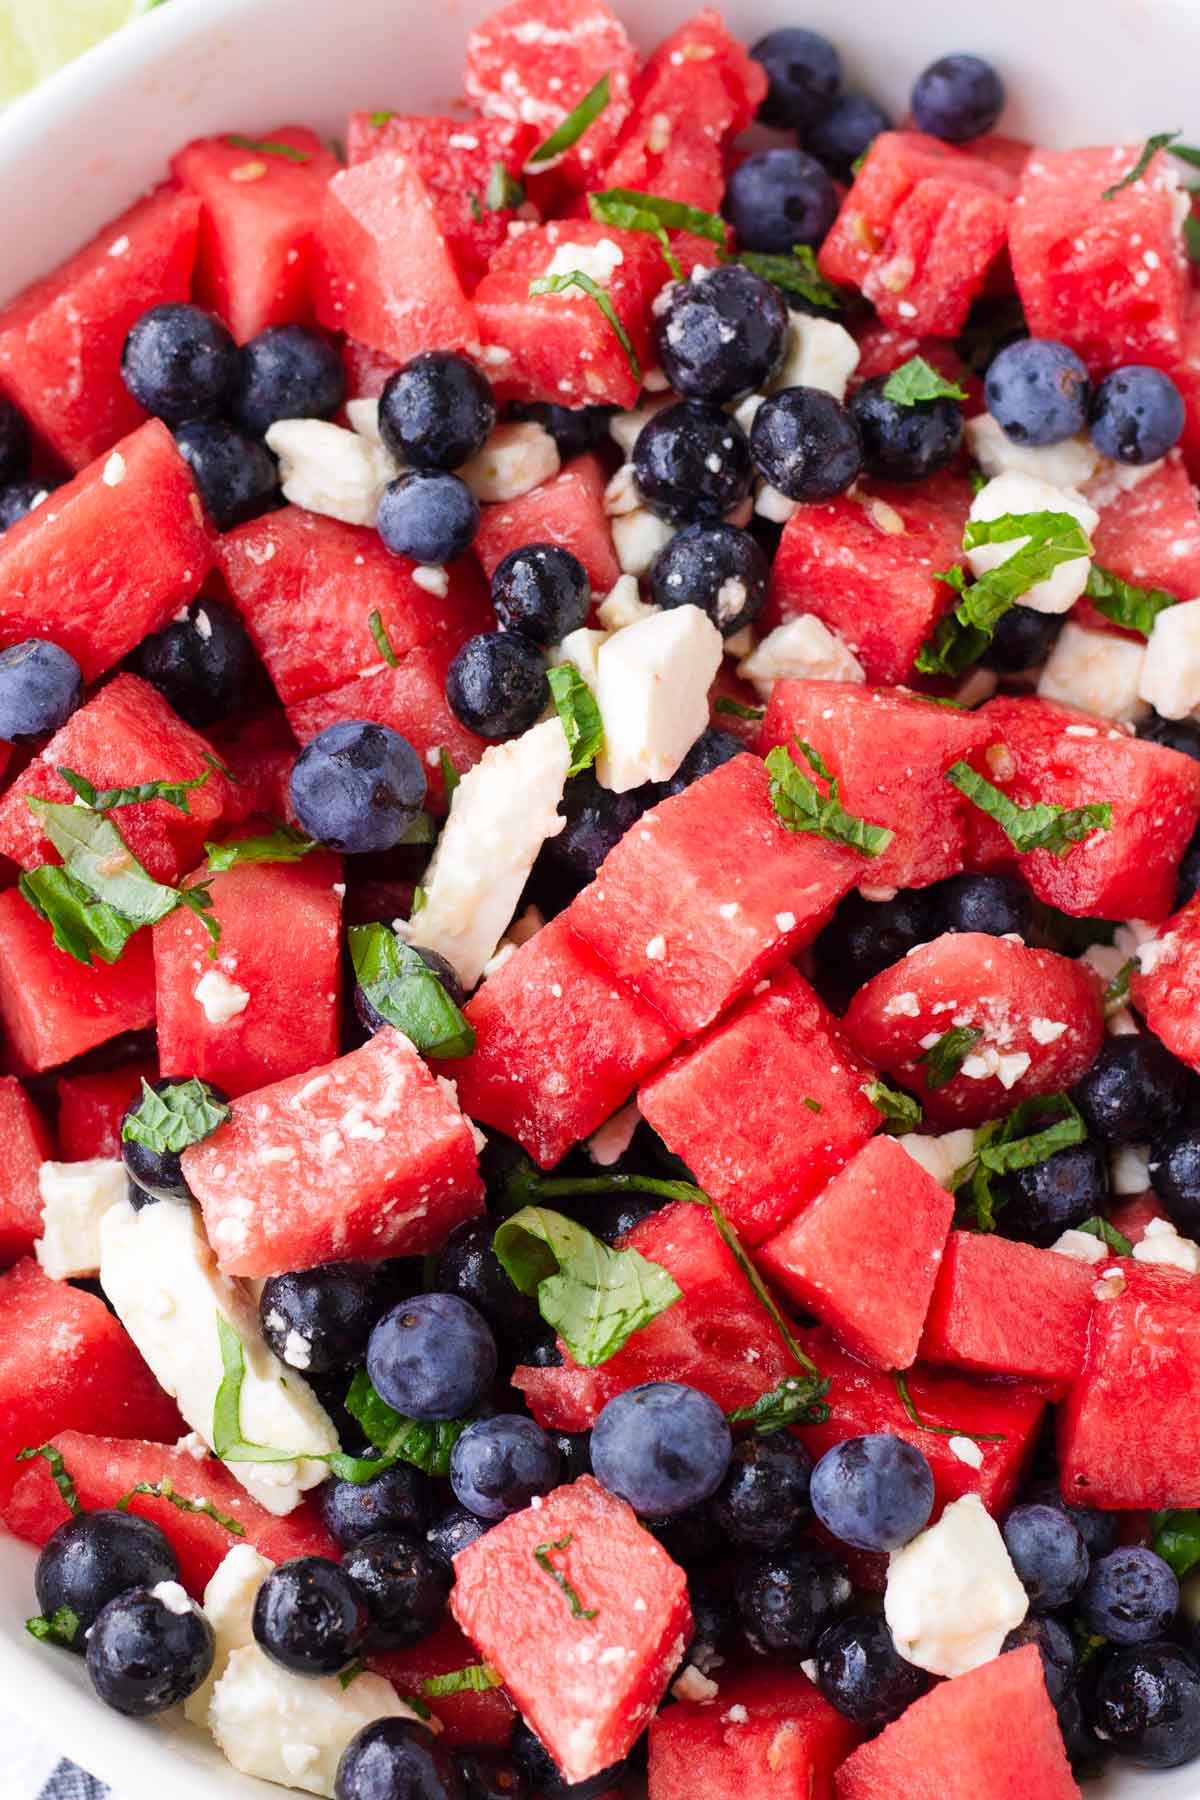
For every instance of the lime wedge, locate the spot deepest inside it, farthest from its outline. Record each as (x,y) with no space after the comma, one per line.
(39,36)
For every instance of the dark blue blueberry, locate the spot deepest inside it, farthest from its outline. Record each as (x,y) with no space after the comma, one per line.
(399,1498)
(541,591)
(861,1672)
(575,1453)
(159,1172)
(1048,1554)
(1098,1529)
(763,1499)
(1135,1090)
(722,336)
(95,1556)
(692,461)
(575,429)
(1176,734)
(711,750)
(1037,1205)
(804,73)
(612,1218)
(806,444)
(20,497)
(693,1539)
(40,687)
(468,1267)
(995,904)
(15,442)
(436,411)
(432,1357)
(428,515)
(499,1464)
(489,1774)
(358,787)
(712,1624)
(662,1446)
(454,1531)
(873,1492)
(287,372)
(957,98)
(203,665)
(1038,391)
(1057,1649)
(180,362)
(1137,414)
(1086,1752)
(596,820)
(1147,1704)
(497,684)
(236,475)
(541,1351)
(1175,1177)
(904,443)
(715,567)
(403,1585)
(546,1778)
(1130,1597)
(787,1598)
(1022,639)
(393,1759)
(370,1017)
(148,1650)
(309,1616)
(864,937)
(779,198)
(846,132)
(317,1320)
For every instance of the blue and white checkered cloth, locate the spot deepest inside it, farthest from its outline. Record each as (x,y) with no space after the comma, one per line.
(33,1771)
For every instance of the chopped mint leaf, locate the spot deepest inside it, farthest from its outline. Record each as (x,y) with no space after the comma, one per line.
(449,774)
(503,190)
(963,634)
(909,1405)
(796,274)
(167,1122)
(197,899)
(618,206)
(572,127)
(899,1110)
(351,1674)
(382,642)
(83,926)
(227,1441)
(283,845)
(476,209)
(801,805)
(1117,991)
(814,1106)
(541,1557)
(268,147)
(1038,827)
(1136,608)
(400,985)
(426,1443)
(58,1472)
(737,709)
(1160,141)
(790,1403)
(418,900)
(1108,1234)
(1187,153)
(165,1490)
(62,1627)
(943,1060)
(1028,1135)
(579,715)
(1191,238)
(1176,1537)
(916,381)
(379,119)
(95,853)
(175,793)
(422,830)
(476,1678)
(215,763)
(558,284)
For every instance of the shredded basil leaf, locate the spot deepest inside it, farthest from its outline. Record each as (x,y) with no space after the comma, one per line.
(1108,1234)
(558,284)
(283,845)
(425,1443)
(790,1403)
(449,774)
(82,926)
(962,635)
(943,1060)
(1135,608)
(572,127)
(379,119)
(96,854)
(62,1627)
(1191,237)
(578,714)
(175,793)
(503,191)
(1177,1537)
(58,1472)
(917,381)
(1034,1131)
(268,147)
(476,1678)
(220,768)
(611,206)
(541,1557)
(899,1110)
(1117,991)
(227,1441)
(1038,827)
(165,1490)
(737,709)
(167,1122)
(796,274)
(801,805)
(351,1674)
(399,983)
(382,642)
(814,1106)
(1160,141)
(909,1405)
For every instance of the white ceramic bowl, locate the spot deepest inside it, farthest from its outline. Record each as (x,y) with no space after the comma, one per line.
(83,146)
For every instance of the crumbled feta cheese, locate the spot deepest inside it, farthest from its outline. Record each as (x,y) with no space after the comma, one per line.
(1096,671)
(694,1686)
(600,261)
(1046,1031)
(607,1145)
(652,690)
(622,495)
(173,1597)
(75,1197)
(967,1451)
(113,473)
(625,427)
(364,418)
(329,470)
(623,605)
(942,1156)
(1163,1245)
(769,503)
(637,539)
(1081,1246)
(433,578)
(1064,465)
(819,354)
(220,998)
(1152,951)
(802,650)
(516,459)
(581,649)
(952,1594)
(746,411)
(656,949)
(1016,493)
(1129,1169)
(1170,674)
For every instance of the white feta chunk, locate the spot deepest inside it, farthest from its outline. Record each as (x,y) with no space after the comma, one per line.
(600,261)
(75,1197)
(652,690)
(1095,671)
(581,649)
(1129,1169)
(363,415)
(638,537)
(220,998)
(516,459)
(804,649)
(229,1609)
(1081,1246)
(769,503)
(941,1156)
(966,1450)
(1170,674)
(952,1594)
(612,1139)
(329,470)
(1016,493)
(694,1686)
(820,354)
(1162,1244)
(623,605)
(622,494)
(625,427)
(1064,465)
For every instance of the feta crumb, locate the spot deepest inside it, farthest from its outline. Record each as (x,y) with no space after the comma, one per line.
(819,354)
(967,1451)
(516,459)
(173,1597)
(612,1139)
(770,503)
(637,539)
(75,1197)
(1129,1169)
(600,261)
(329,470)
(656,949)
(1081,1246)
(1017,493)
(942,1156)
(1064,465)
(433,578)
(1046,1031)
(694,1686)
(804,649)
(952,1594)
(623,605)
(113,473)
(1096,671)
(1170,672)
(652,685)
(785,921)
(220,998)
(1163,1245)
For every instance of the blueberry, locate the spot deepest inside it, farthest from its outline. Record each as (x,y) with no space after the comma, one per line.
(357,787)
(40,687)
(428,515)
(399,1498)
(20,498)
(468,1267)
(806,444)
(712,1624)
(864,937)
(393,1759)
(613,1218)
(542,1351)
(287,372)
(1130,1597)
(436,411)
(786,1598)
(159,1172)
(804,73)
(320,1319)
(693,1538)
(432,1357)
(662,1446)
(711,750)
(1147,1704)
(1098,1529)
(904,443)
(488,1774)
(575,1453)
(1176,734)
(1048,1554)
(1038,391)
(722,336)
(497,684)
(1056,1647)
(1135,1090)
(779,198)
(236,475)
(403,1584)
(994,904)
(861,1672)
(370,1017)
(846,132)
(957,98)
(873,1492)
(715,567)
(95,1556)
(454,1531)
(180,362)
(1037,1205)
(763,1498)
(541,591)
(203,665)
(546,1778)
(596,820)
(148,1649)
(309,1616)
(575,429)
(499,1464)
(1175,1177)
(1137,414)
(15,442)
(1022,638)
(692,461)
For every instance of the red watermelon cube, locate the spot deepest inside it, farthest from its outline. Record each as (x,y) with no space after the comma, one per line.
(1149,534)
(111,557)
(1186,376)
(864,1255)
(769,1734)
(1166,989)
(54,1008)
(882,348)
(366,1157)
(25,1144)
(568,510)
(260,202)
(91,1107)
(716,1105)
(587,1684)
(258,749)
(1005,1308)
(467,1717)
(61,340)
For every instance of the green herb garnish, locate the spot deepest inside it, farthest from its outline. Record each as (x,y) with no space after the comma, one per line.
(737,709)
(572,127)
(268,147)
(558,284)
(165,1490)
(449,774)
(503,191)
(802,806)
(541,1557)
(790,1403)
(82,926)
(1136,608)
(578,714)
(382,642)
(476,1678)
(1160,141)
(1117,992)
(399,983)
(1108,1234)
(228,1444)
(1176,1537)
(351,1674)
(796,274)
(943,1060)
(169,1121)
(427,1444)
(900,1111)
(379,119)
(1034,1131)
(175,793)
(917,381)
(1038,827)
(58,1472)
(617,206)
(962,635)
(283,845)
(62,1627)
(909,1405)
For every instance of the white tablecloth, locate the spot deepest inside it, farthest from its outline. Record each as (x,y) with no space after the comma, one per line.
(31,1770)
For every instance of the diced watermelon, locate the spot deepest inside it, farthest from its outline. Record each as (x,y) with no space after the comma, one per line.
(1131,1216)
(384,271)
(469,1716)
(1166,989)
(61,340)
(672,156)
(1186,376)
(709,892)
(1055,754)
(259,751)
(121,548)
(1006,1308)
(769,1734)
(568,510)
(260,210)
(54,1008)
(715,1337)
(306,587)
(992,1731)
(367,370)
(867,567)
(587,1684)
(91,1107)
(864,1256)
(1013,996)
(124,735)
(1150,533)
(889,751)
(106,1469)
(281,945)
(25,1143)
(66,1364)
(366,1157)
(560,1045)
(716,1105)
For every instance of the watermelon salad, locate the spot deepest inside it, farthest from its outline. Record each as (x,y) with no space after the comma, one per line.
(600,938)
